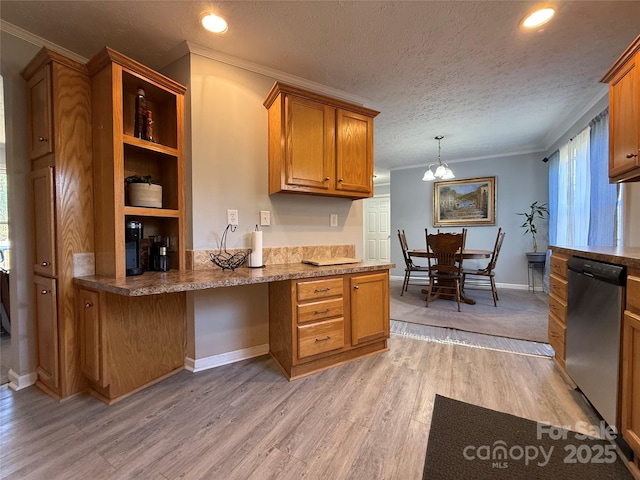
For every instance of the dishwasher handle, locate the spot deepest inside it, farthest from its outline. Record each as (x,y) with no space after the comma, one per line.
(605,272)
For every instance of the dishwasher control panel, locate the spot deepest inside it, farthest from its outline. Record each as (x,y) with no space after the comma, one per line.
(607,272)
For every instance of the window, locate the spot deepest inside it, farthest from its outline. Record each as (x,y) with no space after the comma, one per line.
(584,209)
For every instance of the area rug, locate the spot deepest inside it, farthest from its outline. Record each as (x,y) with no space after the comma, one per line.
(520,314)
(471,442)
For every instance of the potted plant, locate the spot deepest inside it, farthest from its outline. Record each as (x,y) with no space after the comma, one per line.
(536,212)
(143,191)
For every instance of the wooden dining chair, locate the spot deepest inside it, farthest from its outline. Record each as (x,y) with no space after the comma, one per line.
(410,267)
(445,265)
(488,272)
(464,236)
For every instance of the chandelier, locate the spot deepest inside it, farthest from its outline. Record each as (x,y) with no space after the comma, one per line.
(439,171)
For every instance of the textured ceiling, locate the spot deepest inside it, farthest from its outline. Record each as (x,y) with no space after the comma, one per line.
(462,69)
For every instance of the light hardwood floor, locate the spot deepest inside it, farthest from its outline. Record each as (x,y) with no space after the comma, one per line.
(368,419)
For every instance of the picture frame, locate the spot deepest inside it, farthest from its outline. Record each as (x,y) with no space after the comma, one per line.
(465,202)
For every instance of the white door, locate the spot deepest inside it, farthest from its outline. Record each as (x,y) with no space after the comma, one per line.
(377,225)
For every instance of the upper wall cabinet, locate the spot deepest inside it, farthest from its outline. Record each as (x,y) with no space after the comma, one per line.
(119,153)
(319,145)
(624,116)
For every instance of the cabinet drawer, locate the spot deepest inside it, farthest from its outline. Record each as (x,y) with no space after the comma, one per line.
(558,308)
(320,310)
(633,294)
(320,337)
(558,266)
(557,335)
(319,289)
(558,287)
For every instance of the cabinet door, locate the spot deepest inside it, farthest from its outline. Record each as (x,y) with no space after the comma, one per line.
(90,334)
(354,158)
(310,144)
(631,380)
(44,227)
(369,307)
(46,330)
(40,130)
(624,127)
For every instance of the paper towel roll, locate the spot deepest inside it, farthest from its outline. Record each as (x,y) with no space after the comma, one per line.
(255,257)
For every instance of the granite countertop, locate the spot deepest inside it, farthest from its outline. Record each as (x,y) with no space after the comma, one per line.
(629,256)
(153,283)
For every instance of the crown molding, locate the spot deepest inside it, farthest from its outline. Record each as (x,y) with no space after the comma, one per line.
(471,159)
(193,48)
(39,41)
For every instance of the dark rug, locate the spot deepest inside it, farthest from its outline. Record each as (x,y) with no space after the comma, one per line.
(471,442)
(520,314)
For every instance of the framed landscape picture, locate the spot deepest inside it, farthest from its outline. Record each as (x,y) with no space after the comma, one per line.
(464,202)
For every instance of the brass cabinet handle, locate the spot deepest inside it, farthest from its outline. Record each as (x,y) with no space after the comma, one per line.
(341,179)
(45,264)
(88,305)
(321,290)
(326,179)
(357,287)
(44,292)
(323,339)
(631,155)
(318,312)
(42,139)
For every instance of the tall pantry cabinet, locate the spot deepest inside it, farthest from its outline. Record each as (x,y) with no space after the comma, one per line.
(59,103)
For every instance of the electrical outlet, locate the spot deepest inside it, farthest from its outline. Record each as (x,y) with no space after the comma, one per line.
(265,218)
(232,217)
(334,219)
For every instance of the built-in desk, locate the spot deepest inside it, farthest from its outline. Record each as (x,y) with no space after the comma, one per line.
(132,331)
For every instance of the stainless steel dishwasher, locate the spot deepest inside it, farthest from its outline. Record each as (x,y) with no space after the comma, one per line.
(594,319)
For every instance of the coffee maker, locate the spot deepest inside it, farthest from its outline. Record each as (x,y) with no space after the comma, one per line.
(133,235)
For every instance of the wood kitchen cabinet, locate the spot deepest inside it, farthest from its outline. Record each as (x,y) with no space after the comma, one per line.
(40,123)
(558,294)
(630,402)
(46,330)
(90,333)
(319,323)
(624,115)
(59,105)
(369,307)
(319,145)
(43,191)
(117,154)
(128,343)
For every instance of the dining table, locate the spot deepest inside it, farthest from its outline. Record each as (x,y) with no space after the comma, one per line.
(467,254)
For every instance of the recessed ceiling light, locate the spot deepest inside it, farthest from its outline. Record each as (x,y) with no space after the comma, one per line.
(214,23)
(539,17)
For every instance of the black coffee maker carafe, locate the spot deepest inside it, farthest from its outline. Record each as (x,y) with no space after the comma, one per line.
(158,254)
(133,235)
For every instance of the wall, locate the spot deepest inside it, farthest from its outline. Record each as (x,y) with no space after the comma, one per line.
(228,170)
(520,180)
(14,55)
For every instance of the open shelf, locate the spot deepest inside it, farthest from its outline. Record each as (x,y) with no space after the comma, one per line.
(118,154)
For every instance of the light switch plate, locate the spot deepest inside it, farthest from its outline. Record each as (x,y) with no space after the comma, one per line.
(334,219)
(265,218)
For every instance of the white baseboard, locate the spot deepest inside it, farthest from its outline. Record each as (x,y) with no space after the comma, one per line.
(18,382)
(213,361)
